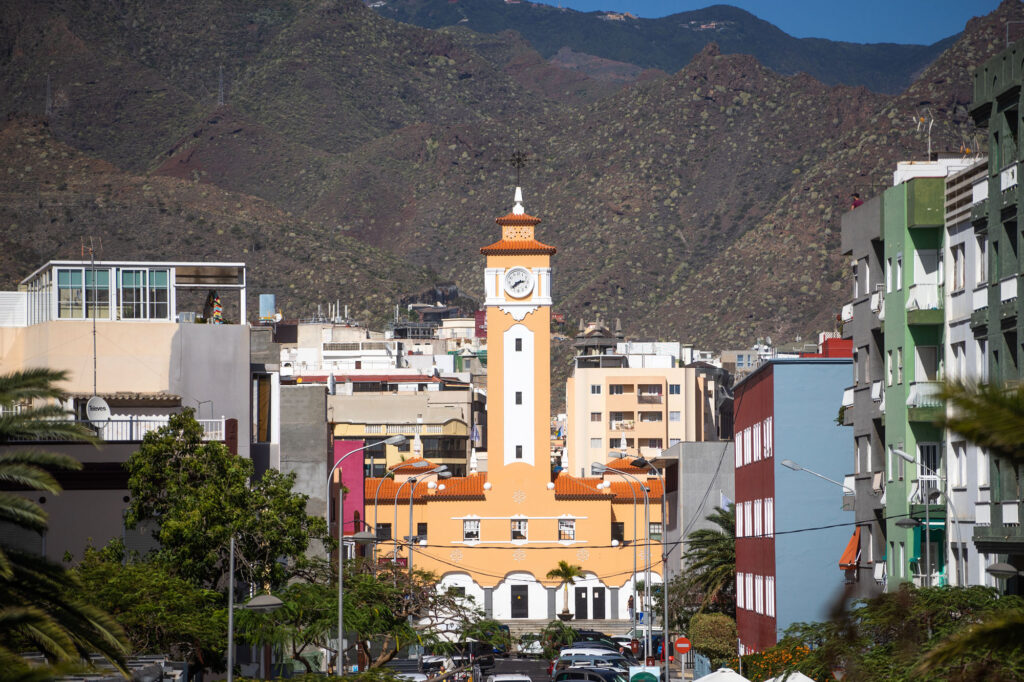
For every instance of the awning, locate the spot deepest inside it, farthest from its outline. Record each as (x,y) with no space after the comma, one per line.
(851,555)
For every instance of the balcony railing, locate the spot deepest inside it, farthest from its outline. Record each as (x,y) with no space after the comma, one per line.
(848,397)
(847,312)
(877,393)
(979,192)
(1008,288)
(133,429)
(923,297)
(876,302)
(623,425)
(979,297)
(1011,513)
(649,398)
(982,514)
(1008,178)
(924,394)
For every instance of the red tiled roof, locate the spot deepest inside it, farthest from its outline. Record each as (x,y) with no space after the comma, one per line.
(517,219)
(624,464)
(570,486)
(454,488)
(372,378)
(518,246)
(406,465)
(622,492)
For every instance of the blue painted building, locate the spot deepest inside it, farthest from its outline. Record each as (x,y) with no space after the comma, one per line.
(791,528)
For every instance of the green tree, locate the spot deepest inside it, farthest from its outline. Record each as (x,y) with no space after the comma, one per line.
(40,606)
(200,495)
(890,637)
(711,562)
(714,635)
(565,573)
(159,611)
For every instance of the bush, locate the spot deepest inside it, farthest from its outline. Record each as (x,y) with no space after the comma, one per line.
(714,635)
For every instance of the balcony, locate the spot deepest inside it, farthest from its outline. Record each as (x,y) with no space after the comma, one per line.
(1008,289)
(876,302)
(623,425)
(133,429)
(847,314)
(649,398)
(1008,178)
(979,192)
(923,402)
(997,528)
(979,298)
(924,304)
(877,392)
(848,397)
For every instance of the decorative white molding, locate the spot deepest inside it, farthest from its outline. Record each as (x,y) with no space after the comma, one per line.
(518,311)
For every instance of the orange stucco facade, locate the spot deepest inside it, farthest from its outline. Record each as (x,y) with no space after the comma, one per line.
(497,534)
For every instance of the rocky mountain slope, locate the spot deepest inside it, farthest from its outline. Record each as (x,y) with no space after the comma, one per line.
(669,43)
(359,158)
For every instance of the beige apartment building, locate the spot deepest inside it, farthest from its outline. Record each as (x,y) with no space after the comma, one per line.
(614,407)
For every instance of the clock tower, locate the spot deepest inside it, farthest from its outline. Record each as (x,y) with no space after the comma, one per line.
(517,282)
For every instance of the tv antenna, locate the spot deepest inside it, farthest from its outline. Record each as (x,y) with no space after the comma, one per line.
(91,309)
(924,119)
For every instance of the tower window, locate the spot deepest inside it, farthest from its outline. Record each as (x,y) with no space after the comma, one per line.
(519,452)
(519,397)
(519,344)
(595,389)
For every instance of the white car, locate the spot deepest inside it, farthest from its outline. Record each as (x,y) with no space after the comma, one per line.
(509,677)
(412,677)
(530,646)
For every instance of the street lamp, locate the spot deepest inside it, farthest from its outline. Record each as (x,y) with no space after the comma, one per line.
(641,462)
(261,603)
(1003,570)
(961,560)
(597,468)
(393,440)
(790,464)
(442,472)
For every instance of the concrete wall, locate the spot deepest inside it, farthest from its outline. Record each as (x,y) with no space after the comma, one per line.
(305,442)
(705,473)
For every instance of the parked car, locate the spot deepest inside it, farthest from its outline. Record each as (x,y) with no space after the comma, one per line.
(589,675)
(412,677)
(530,646)
(570,659)
(508,677)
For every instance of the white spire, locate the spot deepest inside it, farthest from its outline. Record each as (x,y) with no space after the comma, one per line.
(518,208)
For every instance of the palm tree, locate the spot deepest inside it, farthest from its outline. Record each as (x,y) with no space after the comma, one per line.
(711,559)
(40,607)
(566,573)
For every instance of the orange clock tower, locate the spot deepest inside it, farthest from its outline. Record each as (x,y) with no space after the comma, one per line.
(517,282)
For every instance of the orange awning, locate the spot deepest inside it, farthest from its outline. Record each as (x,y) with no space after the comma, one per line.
(851,555)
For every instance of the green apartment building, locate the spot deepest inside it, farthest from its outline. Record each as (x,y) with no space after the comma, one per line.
(912,228)
(997,107)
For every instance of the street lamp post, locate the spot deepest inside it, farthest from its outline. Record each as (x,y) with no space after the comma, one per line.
(643,462)
(790,464)
(961,564)
(442,472)
(419,464)
(262,603)
(598,469)
(393,440)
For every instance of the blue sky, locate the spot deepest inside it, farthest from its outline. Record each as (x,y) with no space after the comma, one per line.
(857,21)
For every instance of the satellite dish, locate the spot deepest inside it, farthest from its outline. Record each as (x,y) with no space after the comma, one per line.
(332,383)
(97,411)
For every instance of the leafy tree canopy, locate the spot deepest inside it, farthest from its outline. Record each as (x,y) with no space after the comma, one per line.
(200,495)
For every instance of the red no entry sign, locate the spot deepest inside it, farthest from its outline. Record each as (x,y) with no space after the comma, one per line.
(682,645)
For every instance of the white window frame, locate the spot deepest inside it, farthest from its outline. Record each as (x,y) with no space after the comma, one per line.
(984,468)
(757,442)
(566,530)
(899,271)
(769,596)
(740,600)
(595,443)
(520,526)
(758,518)
(759,594)
(740,528)
(739,449)
(768,438)
(769,517)
(748,508)
(468,528)
(981,259)
(675,416)
(888,275)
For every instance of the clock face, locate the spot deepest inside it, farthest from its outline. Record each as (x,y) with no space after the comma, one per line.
(518,282)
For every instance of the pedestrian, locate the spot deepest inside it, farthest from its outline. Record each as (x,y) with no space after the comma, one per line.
(629,605)
(855,201)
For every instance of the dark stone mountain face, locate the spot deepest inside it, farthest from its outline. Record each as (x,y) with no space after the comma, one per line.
(362,159)
(669,43)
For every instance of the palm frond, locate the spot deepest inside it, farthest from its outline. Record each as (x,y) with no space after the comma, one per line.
(989,415)
(30,384)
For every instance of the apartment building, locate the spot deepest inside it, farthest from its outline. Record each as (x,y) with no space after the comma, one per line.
(150,339)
